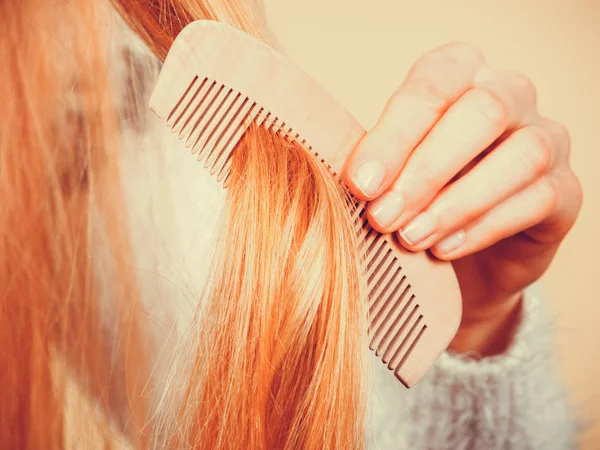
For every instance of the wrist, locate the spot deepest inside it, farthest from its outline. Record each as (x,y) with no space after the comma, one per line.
(489,331)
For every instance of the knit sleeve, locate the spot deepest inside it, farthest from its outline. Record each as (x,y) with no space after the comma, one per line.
(511,401)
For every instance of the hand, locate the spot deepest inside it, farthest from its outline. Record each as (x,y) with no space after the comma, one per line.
(460,162)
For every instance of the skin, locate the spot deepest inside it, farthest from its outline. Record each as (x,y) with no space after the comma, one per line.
(461,163)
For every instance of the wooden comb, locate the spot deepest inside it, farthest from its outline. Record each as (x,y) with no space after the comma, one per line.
(215,82)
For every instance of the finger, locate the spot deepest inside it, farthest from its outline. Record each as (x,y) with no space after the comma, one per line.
(469,127)
(520,160)
(524,210)
(516,89)
(560,135)
(432,85)
(569,200)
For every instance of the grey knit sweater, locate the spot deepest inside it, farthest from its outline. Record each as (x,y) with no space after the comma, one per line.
(512,401)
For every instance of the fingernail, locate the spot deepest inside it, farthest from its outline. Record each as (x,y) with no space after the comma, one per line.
(387,208)
(451,243)
(369,177)
(418,229)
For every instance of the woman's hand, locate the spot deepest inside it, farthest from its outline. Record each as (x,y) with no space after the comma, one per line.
(460,162)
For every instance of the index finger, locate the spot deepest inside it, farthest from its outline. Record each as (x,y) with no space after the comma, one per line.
(433,84)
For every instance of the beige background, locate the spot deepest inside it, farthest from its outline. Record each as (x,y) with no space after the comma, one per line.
(361,49)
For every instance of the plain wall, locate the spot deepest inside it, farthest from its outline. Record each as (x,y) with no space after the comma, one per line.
(360,51)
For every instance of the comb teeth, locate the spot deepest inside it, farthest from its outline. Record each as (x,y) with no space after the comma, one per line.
(211,118)
(215,82)
(396,322)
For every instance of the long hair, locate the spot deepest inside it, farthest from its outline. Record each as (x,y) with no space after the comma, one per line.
(276,355)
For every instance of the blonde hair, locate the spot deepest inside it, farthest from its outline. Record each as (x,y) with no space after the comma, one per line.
(279,344)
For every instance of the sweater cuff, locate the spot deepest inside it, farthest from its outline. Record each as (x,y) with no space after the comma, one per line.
(531,341)
(513,400)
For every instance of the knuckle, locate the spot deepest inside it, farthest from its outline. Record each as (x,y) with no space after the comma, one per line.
(547,195)
(560,131)
(525,86)
(522,81)
(563,133)
(577,190)
(490,107)
(427,93)
(463,51)
(538,149)
(426,174)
